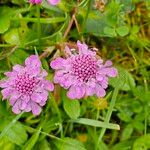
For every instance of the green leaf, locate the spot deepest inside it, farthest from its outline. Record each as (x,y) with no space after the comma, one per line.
(31,142)
(5,144)
(124,145)
(12,37)
(122,31)
(127,131)
(138,125)
(44,144)
(5,13)
(96,123)
(110,31)
(72,107)
(13,130)
(9,126)
(14,59)
(142,143)
(124,81)
(17,134)
(69,144)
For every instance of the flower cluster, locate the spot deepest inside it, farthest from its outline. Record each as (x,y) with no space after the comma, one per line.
(52,2)
(82,72)
(26,86)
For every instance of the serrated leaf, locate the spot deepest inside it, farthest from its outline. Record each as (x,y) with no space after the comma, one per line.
(122,31)
(72,107)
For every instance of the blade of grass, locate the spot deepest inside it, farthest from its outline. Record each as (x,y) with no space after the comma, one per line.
(42,20)
(96,123)
(108,115)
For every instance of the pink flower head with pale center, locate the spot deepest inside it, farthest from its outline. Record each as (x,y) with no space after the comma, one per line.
(82,72)
(52,2)
(26,86)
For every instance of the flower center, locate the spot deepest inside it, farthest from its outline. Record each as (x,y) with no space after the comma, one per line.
(25,84)
(84,67)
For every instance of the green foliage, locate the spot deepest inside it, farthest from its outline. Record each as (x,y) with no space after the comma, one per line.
(72,107)
(69,144)
(120,30)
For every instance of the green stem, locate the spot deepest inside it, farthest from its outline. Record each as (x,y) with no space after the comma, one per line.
(87,14)
(42,20)
(38,23)
(108,115)
(54,105)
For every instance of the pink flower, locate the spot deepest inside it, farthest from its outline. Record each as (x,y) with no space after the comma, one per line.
(82,72)
(26,86)
(52,2)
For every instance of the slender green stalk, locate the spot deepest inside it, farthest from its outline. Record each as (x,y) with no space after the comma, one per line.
(87,14)
(10,125)
(108,115)
(38,23)
(42,20)
(54,105)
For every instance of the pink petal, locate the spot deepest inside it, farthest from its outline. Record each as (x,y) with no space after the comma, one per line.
(35,71)
(7,93)
(11,74)
(112,72)
(33,62)
(83,48)
(38,97)
(100,92)
(48,85)
(58,63)
(76,92)
(67,51)
(43,73)
(104,83)
(5,84)
(54,2)
(108,63)
(15,107)
(28,107)
(38,1)
(18,68)
(36,109)
(14,97)
(90,91)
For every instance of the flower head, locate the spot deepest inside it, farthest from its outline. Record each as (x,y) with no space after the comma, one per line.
(52,2)
(26,86)
(82,72)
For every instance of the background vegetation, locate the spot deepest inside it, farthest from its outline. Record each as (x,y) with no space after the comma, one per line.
(120,30)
